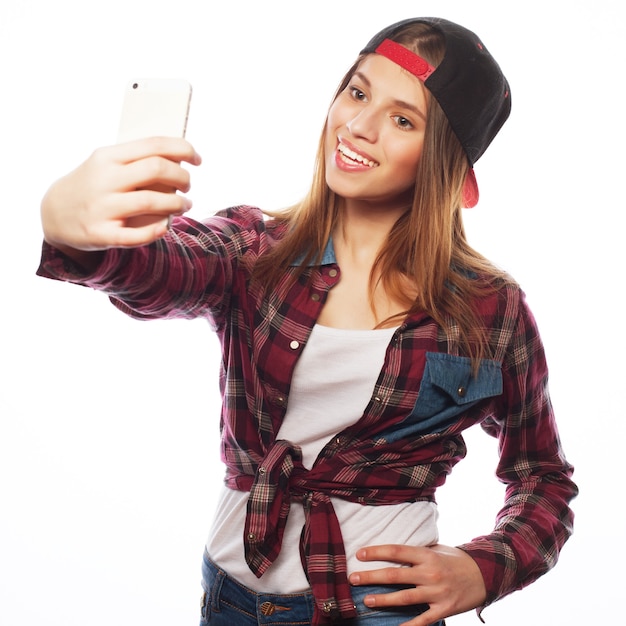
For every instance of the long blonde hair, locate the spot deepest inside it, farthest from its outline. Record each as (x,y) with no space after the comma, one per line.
(427,245)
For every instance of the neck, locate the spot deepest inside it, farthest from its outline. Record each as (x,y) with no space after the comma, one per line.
(362,231)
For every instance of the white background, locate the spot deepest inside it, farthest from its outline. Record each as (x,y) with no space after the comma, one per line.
(108,443)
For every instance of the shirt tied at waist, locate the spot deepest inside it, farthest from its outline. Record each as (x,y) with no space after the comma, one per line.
(280,479)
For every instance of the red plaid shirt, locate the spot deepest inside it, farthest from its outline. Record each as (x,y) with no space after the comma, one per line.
(410,434)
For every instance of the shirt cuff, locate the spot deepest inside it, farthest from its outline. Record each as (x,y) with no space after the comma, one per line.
(56,265)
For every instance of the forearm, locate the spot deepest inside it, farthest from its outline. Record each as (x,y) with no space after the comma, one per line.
(182,275)
(88,262)
(530,532)
(63,263)
(536,519)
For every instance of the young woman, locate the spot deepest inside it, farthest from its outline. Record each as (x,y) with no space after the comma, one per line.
(361,335)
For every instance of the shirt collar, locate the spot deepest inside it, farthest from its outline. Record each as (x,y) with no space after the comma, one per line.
(328,258)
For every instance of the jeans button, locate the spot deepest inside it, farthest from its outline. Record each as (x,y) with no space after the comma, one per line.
(267,608)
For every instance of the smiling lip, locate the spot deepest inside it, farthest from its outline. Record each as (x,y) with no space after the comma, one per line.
(348,157)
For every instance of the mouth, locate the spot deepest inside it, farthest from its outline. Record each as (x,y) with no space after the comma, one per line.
(351,157)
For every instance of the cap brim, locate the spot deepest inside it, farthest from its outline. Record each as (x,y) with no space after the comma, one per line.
(470,190)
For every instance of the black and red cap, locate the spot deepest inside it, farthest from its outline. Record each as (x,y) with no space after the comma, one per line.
(468,84)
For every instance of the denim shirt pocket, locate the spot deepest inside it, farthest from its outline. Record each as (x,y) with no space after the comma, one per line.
(448,389)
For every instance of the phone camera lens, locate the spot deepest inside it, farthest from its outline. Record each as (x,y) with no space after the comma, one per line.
(135,85)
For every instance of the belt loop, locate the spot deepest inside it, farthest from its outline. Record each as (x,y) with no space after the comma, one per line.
(216,587)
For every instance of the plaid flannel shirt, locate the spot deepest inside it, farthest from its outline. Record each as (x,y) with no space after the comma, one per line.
(410,434)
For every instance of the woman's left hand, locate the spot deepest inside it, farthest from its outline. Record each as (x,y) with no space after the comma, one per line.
(445,578)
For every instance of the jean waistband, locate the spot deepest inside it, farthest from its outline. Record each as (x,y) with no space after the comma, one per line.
(225,594)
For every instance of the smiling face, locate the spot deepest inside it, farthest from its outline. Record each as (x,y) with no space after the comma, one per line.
(375,135)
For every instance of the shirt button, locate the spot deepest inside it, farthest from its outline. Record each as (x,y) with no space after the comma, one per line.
(294,345)
(251,536)
(262,470)
(461,391)
(332,273)
(315,297)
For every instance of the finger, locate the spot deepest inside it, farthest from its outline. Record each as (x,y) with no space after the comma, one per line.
(395,553)
(172,148)
(386,576)
(148,202)
(151,171)
(401,597)
(147,220)
(140,235)
(407,598)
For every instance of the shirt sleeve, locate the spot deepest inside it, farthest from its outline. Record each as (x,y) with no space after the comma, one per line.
(188,273)
(536,519)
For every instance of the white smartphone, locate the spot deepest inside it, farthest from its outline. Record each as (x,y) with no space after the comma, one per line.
(154,107)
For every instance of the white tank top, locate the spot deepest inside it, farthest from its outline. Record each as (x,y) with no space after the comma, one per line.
(331,386)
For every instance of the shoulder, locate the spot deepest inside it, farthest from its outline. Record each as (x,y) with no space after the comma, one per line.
(505,315)
(515,335)
(491,294)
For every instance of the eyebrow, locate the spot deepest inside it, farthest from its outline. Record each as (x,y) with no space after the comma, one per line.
(395,101)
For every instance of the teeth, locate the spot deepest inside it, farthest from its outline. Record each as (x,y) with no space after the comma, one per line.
(354,156)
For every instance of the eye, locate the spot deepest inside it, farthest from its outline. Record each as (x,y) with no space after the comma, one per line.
(356,93)
(402,122)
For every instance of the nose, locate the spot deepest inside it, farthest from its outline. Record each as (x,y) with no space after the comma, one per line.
(364,125)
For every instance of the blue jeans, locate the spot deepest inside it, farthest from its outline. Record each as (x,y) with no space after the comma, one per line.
(226,602)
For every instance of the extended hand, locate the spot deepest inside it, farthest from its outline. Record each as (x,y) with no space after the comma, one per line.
(111,199)
(445,578)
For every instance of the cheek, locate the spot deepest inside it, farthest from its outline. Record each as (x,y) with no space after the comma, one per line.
(406,159)
(331,124)
(333,119)
(329,144)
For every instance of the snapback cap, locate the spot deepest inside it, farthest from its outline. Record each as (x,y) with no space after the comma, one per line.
(468,84)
